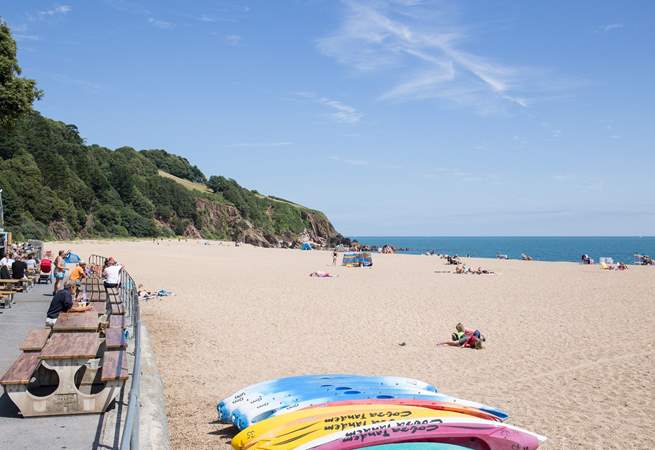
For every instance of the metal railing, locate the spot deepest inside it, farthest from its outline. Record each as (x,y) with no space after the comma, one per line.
(128,293)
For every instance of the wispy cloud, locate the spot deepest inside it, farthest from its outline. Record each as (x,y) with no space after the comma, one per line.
(59,9)
(233,39)
(26,37)
(340,112)
(206,18)
(392,35)
(350,162)
(612,26)
(77,82)
(259,144)
(162,24)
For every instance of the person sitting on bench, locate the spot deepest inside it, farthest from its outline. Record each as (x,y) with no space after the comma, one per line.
(18,269)
(61,301)
(112,273)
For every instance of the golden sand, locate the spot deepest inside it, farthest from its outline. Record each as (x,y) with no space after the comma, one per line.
(569,352)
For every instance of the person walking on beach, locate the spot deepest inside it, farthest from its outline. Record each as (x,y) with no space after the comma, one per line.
(59,272)
(334,258)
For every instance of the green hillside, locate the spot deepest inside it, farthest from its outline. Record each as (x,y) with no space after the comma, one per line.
(55,186)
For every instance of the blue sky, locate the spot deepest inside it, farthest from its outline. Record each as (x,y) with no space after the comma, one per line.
(395,117)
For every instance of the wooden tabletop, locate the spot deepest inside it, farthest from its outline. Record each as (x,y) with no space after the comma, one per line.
(99,307)
(35,340)
(71,346)
(85,321)
(10,281)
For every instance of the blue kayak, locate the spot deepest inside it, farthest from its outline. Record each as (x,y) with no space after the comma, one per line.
(290,386)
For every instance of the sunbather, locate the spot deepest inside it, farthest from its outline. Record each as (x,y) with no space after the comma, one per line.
(321,274)
(465,337)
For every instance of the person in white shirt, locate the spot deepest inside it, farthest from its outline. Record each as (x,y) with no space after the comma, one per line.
(31,263)
(112,273)
(7,261)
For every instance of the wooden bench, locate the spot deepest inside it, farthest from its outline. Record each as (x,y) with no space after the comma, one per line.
(35,340)
(21,370)
(117,309)
(11,284)
(114,366)
(7,298)
(114,297)
(115,339)
(117,321)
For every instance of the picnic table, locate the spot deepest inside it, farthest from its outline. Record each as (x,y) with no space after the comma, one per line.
(77,321)
(7,298)
(11,284)
(87,380)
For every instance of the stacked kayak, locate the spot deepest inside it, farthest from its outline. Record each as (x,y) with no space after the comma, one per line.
(338,412)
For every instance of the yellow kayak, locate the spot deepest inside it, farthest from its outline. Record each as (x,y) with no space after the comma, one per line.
(290,430)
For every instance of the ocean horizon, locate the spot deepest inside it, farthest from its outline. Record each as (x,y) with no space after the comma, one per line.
(543,248)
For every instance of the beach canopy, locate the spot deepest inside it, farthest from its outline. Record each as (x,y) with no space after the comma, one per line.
(71,258)
(306,246)
(357,259)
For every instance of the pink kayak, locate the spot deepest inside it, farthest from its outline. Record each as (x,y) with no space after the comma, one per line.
(436,405)
(476,434)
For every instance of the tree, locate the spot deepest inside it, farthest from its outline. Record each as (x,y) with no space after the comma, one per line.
(16,94)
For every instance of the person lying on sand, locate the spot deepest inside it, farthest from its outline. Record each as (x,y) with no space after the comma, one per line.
(145,295)
(465,338)
(321,274)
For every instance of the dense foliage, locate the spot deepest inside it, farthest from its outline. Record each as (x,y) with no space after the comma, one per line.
(16,94)
(55,186)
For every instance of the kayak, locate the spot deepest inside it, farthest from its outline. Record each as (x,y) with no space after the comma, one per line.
(418,446)
(442,406)
(472,433)
(290,430)
(281,403)
(329,382)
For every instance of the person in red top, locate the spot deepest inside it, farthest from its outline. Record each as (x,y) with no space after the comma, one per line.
(465,337)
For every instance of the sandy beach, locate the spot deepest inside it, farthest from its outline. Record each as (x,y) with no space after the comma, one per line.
(569,352)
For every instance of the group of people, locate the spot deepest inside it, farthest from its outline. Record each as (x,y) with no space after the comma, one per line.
(17,266)
(463,268)
(65,290)
(465,338)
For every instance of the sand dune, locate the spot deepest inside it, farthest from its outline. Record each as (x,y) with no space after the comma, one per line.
(569,352)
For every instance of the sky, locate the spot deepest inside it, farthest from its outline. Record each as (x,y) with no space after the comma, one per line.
(394,117)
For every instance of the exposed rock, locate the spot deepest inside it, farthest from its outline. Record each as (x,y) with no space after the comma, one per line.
(192,232)
(60,231)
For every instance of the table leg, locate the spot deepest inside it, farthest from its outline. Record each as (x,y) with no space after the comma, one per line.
(67,398)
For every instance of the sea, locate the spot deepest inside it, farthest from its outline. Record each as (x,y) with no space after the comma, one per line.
(542,248)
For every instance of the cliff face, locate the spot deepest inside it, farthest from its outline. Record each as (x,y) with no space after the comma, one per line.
(223,220)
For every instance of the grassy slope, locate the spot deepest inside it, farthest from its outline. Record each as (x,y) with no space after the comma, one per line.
(203,188)
(186,183)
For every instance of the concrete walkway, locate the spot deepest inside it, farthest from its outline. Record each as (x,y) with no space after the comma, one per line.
(89,431)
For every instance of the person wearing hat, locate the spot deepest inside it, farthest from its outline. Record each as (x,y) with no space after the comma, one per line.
(77,275)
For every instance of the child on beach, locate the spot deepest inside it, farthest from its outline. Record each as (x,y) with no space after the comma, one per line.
(465,338)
